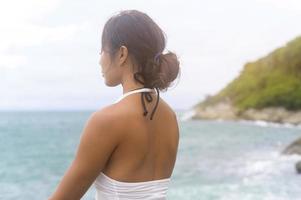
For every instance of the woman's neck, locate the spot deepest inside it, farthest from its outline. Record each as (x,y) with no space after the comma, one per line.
(130,84)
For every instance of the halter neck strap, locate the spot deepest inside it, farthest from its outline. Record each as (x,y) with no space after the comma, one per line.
(144,92)
(134,91)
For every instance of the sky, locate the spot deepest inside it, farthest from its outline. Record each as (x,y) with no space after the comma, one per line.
(49,49)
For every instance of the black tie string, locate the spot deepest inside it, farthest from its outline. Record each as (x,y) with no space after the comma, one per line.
(156,105)
(148,97)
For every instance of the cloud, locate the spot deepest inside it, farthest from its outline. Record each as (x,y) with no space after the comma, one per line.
(18,29)
(11,62)
(288,5)
(18,10)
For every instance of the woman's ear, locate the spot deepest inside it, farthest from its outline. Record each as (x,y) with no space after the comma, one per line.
(123,54)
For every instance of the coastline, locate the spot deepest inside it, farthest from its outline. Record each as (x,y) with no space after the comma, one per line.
(276,116)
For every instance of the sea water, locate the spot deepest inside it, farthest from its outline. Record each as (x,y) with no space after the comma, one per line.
(217,160)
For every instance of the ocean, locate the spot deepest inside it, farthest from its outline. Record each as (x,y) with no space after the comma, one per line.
(217,160)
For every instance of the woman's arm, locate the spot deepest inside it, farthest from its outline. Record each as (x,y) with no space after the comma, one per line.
(98,141)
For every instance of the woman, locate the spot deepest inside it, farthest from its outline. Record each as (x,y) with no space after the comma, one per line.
(125,151)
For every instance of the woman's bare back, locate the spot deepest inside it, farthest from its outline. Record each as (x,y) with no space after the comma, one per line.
(149,147)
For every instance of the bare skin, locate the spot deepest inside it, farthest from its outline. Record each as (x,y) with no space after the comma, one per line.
(119,141)
(149,147)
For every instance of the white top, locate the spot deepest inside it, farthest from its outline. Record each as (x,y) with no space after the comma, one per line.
(110,189)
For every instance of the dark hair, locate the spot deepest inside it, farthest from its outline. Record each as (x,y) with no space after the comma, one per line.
(145,42)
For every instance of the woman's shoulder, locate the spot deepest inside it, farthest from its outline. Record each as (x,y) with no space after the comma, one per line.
(108,120)
(109,113)
(113,114)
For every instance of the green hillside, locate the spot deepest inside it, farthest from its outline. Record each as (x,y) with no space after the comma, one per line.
(274,80)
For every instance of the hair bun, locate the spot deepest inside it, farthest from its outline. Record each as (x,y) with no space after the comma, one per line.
(169,69)
(160,71)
